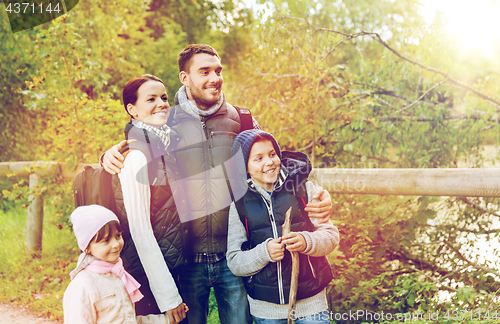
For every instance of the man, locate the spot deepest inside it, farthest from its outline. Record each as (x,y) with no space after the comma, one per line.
(203,127)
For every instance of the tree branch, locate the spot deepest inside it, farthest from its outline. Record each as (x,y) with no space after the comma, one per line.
(461,229)
(439,283)
(473,264)
(481,209)
(420,98)
(379,39)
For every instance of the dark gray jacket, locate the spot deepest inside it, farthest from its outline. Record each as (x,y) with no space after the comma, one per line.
(202,151)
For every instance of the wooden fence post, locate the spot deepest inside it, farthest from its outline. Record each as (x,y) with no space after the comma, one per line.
(35,219)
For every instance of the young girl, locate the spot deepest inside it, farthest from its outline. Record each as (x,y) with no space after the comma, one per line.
(256,248)
(100,291)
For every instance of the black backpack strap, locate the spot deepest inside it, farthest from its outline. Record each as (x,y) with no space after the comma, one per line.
(301,195)
(246,119)
(240,207)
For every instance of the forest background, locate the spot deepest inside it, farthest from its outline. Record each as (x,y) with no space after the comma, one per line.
(351,83)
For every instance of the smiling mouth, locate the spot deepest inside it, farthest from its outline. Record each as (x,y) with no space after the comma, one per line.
(270,171)
(214,89)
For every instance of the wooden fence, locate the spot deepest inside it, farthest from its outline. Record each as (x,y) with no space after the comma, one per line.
(35,171)
(461,182)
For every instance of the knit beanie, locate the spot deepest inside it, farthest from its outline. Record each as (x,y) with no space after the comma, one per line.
(245,141)
(88,220)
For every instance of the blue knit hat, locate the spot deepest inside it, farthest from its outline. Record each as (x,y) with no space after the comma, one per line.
(245,140)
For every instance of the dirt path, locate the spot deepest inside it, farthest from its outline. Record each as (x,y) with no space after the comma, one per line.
(11,315)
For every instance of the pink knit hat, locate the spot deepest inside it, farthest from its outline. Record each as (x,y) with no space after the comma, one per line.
(88,220)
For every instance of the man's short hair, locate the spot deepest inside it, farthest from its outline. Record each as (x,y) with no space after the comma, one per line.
(184,59)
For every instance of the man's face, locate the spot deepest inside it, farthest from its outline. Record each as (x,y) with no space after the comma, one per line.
(204,80)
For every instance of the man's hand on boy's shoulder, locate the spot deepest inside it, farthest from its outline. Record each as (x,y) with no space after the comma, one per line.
(323,208)
(112,160)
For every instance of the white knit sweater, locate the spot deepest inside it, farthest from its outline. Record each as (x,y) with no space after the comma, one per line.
(136,197)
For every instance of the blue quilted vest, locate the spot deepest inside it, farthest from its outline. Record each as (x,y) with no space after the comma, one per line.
(272,283)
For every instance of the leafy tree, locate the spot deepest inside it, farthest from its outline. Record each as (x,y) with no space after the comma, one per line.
(358,84)
(19,132)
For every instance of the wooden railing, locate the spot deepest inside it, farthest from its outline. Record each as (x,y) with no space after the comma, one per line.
(35,171)
(461,182)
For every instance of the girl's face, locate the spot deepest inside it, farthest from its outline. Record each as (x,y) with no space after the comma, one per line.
(264,164)
(108,249)
(152,106)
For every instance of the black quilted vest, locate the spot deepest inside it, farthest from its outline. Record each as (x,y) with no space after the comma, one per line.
(164,218)
(272,283)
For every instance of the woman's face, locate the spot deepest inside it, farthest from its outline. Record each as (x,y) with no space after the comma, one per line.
(152,107)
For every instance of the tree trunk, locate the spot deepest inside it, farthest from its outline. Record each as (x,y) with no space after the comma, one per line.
(35,220)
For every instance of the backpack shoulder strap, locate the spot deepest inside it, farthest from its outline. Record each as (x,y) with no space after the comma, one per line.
(301,195)
(302,200)
(104,194)
(246,119)
(80,185)
(240,207)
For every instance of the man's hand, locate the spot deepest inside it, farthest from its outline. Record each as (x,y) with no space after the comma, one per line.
(177,314)
(294,242)
(322,209)
(112,160)
(276,249)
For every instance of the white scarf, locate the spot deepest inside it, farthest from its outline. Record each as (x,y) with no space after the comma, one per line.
(163,132)
(191,108)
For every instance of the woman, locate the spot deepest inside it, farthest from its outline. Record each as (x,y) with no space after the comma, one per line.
(151,231)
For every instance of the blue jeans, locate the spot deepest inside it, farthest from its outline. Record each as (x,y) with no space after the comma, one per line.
(319,318)
(195,281)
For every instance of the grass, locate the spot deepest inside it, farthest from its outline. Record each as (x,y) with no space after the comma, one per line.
(35,283)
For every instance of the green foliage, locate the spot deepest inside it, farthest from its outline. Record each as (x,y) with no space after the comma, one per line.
(341,83)
(37,284)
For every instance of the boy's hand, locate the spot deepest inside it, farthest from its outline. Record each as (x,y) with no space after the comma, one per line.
(294,242)
(276,249)
(112,159)
(322,209)
(177,314)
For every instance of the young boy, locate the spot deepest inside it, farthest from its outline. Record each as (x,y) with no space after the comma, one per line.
(256,248)
(100,291)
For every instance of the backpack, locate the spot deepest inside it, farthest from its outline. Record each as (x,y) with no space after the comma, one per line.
(93,187)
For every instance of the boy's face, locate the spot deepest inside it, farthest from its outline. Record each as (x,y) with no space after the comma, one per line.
(109,248)
(264,164)
(204,80)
